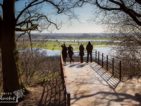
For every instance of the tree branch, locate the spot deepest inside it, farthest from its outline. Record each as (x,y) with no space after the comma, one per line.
(138,1)
(56,6)
(116,2)
(37,2)
(132,13)
(29,21)
(31,4)
(106,8)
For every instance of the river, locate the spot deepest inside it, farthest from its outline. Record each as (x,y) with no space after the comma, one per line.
(46,52)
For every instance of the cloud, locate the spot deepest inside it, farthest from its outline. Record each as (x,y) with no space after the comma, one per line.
(82,28)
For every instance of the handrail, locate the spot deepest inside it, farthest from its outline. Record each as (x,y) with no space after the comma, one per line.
(116,65)
(120,67)
(67,94)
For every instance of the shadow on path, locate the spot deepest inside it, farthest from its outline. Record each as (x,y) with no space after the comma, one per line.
(73,65)
(52,94)
(107,77)
(82,65)
(112,97)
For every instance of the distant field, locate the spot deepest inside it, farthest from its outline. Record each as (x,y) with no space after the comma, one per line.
(56,44)
(97,38)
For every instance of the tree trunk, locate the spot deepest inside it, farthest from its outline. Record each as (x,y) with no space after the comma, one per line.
(0,29)
(9,68)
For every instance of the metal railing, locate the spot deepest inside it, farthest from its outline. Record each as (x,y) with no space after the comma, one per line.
(121,68)
(66,94)
(114,66)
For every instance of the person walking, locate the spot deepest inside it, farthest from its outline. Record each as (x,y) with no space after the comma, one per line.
(64,52)
(81,52)
(89,49)
(70,52)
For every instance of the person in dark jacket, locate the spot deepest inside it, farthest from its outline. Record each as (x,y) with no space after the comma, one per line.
(89,49)
(70,52)
(81,52)
(64,52)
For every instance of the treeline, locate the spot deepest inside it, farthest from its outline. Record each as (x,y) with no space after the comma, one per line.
(36,36)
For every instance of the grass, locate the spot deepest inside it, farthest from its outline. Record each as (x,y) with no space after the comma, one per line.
(56,45)
(45,81)
(89,38)
(95,38)
(35,68)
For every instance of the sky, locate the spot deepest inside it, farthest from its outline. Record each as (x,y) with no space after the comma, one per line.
(84,22)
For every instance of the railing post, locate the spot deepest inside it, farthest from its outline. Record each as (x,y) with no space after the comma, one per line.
(65,95)
(120,70)
(61,69)
(107,62)
(98,57)
(102,59)
(68,99)
(113,66)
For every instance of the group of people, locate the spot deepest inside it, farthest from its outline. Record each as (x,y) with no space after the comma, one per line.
(68,51)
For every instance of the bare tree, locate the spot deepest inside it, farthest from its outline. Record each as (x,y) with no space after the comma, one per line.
(25,21)
(130,21)
(129,7)
(126,16)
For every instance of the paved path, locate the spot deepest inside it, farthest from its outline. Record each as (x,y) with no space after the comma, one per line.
(87,88)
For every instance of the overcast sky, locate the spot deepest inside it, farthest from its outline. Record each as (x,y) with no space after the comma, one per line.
(84,23)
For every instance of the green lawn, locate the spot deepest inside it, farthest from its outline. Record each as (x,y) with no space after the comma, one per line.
(56,45)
